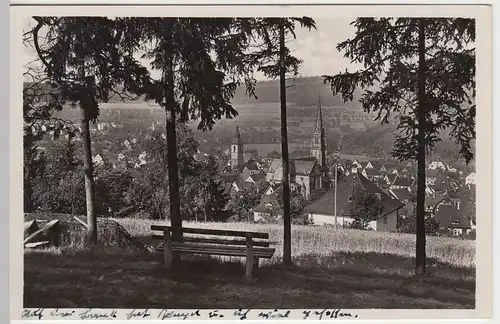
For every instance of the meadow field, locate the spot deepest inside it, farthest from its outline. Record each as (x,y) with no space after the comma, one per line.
(323,241)
(332,269)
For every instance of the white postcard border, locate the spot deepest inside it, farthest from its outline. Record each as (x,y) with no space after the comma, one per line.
(484,131)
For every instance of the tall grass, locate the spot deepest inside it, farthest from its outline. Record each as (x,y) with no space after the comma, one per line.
(324,241)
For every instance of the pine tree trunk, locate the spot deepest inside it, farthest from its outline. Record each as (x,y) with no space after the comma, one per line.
(173,183)
(287,230)
(88,171)
(420,228)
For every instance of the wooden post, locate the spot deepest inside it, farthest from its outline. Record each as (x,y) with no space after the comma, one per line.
(249,260)
(167,248)
(255,263)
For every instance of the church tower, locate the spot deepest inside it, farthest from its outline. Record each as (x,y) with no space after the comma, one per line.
(318,146)
(237,151)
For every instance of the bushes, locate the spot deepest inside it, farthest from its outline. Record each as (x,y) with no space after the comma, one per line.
(57,184)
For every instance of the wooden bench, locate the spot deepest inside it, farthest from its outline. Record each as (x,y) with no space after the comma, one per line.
(254,246)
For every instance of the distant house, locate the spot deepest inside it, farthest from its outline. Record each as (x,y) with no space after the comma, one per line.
(429,191)
(390,167)
(267,209)
(372,174)
(251,167)
(403,170)
(391,178)
(321,211)
(98,160)
(431,203)
(272,189)
(228,182)
(401,194)
(247,157)
(451,168)
(274,165)
(237,186)
(230,177)
(378,165)
(347,163)
(470,179)
(441,185)
(357,164)
(256,179)
(402,182)
(264,166)
(430,176)
(434,165)
(452,217)
(366,165)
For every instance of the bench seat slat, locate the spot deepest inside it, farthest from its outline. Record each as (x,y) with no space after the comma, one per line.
(216,247)
(257,235)
(223,252)
(215,241)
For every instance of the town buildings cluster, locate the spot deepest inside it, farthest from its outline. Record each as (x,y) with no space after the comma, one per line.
(450,192)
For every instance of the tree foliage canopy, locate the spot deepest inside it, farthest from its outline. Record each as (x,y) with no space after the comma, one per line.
(366,207)
(388,50)
(86,58)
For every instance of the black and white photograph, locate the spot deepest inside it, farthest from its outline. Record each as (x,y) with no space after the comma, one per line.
(251,162)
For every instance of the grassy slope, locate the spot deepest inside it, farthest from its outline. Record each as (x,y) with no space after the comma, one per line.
(324,240)
(350,270)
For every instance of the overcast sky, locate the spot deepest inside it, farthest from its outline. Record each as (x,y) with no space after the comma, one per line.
(316,47)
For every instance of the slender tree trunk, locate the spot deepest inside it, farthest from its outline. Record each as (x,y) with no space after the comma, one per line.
(28,178)
(88,171)
(205,204)
(173,183)
(28,197)
(420,230)
(287,231)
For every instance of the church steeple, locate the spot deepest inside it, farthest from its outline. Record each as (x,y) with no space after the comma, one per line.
(237,150)
(237,136)
(318,147)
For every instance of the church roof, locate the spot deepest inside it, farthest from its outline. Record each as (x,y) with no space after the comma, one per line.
(302,167)
(275,164)
(296,167)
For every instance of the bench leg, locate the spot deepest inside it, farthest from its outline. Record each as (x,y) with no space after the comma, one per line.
(167,250)
(249,268)
(167,258)
(250,258)
(255,263)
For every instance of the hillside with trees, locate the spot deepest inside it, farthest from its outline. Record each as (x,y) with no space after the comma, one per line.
(301,91)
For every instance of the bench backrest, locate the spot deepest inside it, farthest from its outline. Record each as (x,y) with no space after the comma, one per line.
(214,232)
